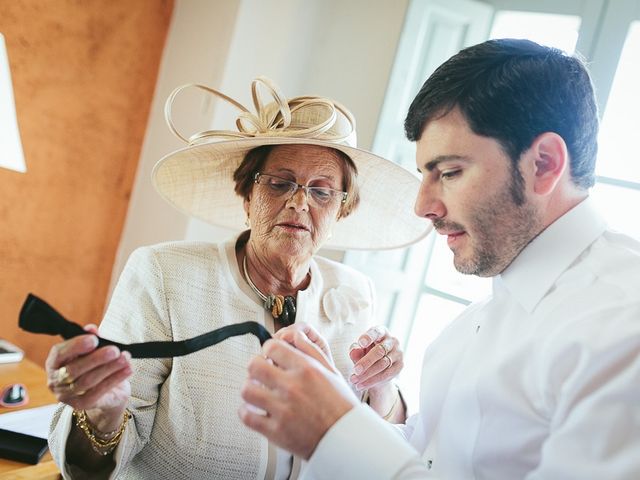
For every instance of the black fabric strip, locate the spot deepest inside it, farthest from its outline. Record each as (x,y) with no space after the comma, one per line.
(37,316)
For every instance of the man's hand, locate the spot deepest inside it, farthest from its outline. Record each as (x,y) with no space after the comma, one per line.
(299,392)
(288,334)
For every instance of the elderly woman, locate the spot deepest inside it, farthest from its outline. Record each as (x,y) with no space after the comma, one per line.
(300,177)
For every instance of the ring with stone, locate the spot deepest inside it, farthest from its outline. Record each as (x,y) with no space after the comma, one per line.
(63,377)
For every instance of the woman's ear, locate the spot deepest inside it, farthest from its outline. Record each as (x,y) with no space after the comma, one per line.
(246,203)
(551,158)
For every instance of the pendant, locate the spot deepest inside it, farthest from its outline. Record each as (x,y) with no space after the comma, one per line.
(282,308)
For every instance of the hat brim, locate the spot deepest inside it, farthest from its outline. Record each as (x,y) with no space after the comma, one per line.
(198,180)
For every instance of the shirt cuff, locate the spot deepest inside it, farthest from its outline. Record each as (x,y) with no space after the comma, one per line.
(360,445)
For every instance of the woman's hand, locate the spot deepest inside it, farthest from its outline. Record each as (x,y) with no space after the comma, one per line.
(377,359)
(90,378)
(302,333)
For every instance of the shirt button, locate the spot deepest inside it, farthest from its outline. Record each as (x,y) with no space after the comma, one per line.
(429,464)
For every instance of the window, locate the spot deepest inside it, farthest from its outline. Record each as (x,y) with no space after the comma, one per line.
(431,292)
(11,155)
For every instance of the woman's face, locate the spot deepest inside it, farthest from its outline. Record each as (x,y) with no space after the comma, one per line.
(295,225)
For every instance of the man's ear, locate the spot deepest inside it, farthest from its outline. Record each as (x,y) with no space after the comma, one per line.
(551,158)
(246,203)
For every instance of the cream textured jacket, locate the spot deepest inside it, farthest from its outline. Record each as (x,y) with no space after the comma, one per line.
(185,422)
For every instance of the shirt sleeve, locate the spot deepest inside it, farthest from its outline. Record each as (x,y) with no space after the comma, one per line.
(363,446)
(595,426)
(137,313)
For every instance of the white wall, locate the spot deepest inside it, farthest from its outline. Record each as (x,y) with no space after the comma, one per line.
(334,48)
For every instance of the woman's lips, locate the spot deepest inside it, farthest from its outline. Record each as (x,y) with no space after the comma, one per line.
(293,227)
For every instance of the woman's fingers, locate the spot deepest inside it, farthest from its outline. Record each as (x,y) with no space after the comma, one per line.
(94,395)
(371,336)
(377,358)
(79,374)
(64,352)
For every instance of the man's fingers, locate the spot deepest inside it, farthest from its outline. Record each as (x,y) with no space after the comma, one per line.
(288,335)
(315,351)
(257,395)
(289,357)
(263,371)
(256,420)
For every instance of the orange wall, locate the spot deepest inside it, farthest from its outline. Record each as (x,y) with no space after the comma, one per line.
(84,74)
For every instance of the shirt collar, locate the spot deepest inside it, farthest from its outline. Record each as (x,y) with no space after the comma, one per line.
(538,266)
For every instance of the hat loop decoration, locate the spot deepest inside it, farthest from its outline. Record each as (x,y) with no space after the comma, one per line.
(198,179)
(264,122)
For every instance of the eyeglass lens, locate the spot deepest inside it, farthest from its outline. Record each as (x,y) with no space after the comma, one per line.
(281,186)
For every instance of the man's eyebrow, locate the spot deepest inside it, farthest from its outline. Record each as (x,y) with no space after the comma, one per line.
(431,164)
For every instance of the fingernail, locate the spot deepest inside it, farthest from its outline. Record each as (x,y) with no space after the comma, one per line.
(111,353)
(363,342)
(358,369)
(353,378)
(93,341)
(126,355)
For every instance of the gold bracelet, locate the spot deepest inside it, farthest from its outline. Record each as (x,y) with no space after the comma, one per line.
(393,407)
(100,444)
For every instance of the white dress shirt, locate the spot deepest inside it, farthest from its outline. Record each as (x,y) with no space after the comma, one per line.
(539,381)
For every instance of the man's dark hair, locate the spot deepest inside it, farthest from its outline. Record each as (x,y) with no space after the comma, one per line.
(512,91)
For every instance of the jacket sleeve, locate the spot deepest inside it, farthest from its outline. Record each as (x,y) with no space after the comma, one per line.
(137,313)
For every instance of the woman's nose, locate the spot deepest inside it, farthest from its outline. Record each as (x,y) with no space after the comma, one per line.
(299,200)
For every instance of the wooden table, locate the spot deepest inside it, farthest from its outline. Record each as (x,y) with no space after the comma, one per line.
(34,378)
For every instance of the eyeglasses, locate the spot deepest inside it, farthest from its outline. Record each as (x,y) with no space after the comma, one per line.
(277,187)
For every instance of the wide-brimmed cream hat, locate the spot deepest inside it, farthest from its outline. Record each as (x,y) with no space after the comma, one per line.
(198,179)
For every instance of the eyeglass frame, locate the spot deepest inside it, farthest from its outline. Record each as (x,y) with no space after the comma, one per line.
(297,186)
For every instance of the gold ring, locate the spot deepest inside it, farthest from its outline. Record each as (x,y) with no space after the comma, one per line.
(63,377)
(385,348)
(390,361)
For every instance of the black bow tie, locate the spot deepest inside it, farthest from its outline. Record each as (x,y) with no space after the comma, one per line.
(37,316)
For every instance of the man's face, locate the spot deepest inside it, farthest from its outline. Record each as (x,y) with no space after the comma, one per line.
(469,192)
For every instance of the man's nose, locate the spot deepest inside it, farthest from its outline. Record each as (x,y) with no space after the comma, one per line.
(428,203)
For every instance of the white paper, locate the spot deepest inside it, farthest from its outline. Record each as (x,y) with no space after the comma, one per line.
(31,421)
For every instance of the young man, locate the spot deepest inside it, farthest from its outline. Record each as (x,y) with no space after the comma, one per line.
(542,379)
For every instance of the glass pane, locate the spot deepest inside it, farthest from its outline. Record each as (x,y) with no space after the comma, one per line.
(560,31)
(432,316)
(618,155)
(443,276)
(619,206)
